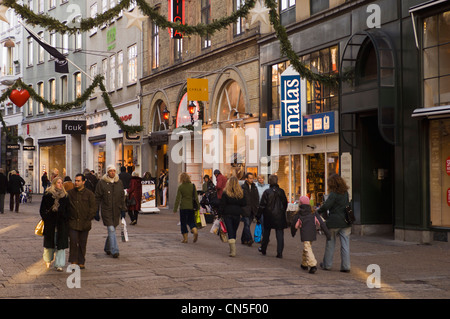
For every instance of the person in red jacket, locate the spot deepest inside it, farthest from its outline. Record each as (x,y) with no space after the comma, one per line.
(221,182)
(134,192)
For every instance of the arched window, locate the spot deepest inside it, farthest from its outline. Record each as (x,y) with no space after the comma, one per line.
(157,123)
(231,102)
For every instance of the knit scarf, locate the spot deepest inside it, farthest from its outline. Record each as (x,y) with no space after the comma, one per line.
(57,194)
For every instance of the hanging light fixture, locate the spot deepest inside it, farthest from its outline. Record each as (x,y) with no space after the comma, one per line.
(191,108)
(166,114)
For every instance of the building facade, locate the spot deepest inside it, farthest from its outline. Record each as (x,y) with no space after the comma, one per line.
(226,122)
(392,109)
(116,53)
(11,68)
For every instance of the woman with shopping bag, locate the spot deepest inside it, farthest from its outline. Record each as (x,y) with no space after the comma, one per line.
(231,210)
(187,200)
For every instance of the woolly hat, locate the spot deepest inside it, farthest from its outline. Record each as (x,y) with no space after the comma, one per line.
(110,167)
(304,200)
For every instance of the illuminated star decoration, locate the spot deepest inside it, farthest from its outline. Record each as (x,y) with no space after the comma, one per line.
(3,10)
(259,13)
(135,19)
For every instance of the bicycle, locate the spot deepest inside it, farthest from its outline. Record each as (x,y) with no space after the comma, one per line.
(27,195)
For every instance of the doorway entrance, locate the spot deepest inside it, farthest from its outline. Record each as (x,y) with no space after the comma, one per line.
(377,174)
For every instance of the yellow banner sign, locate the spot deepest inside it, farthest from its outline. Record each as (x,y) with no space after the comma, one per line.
(197,89)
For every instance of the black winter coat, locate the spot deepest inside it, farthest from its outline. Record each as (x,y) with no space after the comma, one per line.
(273,207)
(308,231)
(230,206)
(3,183)
(251,196)
(15,184)
(53,221)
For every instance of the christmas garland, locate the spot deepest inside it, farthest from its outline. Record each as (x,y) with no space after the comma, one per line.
(98,81)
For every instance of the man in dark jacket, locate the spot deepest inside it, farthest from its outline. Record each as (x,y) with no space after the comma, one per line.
(110,196)
(3,187)
(273,207)
(82,210)
(251,196)
(125,177)
(15,187)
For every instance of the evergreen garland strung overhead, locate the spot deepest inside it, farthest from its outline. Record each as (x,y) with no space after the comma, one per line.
(52,24)
(98,81)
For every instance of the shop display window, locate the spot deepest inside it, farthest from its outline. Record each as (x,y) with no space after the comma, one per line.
(440,173)
(52,159)
(100,158)
(315,177)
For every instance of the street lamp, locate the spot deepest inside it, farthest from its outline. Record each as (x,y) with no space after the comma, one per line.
(191,109)
(166,114)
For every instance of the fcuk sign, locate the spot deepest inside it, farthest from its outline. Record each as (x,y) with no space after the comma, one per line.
(291,117)
(73,127)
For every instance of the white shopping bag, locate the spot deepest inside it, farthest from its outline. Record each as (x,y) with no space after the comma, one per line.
(124,231)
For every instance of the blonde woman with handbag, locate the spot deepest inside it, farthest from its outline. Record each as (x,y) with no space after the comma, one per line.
(54,212)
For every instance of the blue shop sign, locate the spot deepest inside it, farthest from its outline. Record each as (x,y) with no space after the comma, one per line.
(322,123)
(273,129)
(291,117)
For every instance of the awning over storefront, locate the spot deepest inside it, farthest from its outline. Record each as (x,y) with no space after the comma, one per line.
(431,111)
(52,141)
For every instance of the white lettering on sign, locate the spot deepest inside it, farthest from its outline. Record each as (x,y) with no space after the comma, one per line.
(291,102)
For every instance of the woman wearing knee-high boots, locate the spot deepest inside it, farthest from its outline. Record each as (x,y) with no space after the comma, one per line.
(231,210)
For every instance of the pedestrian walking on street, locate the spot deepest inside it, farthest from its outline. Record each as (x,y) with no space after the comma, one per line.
(15,187)
(162,187)
(110,197)
(54,211)
(125,177)
(134,197)
(186,196)
(231,210)
(336,202)
(45,181)
(3,188)
(82,209)
(221,182)
(272,208)
(251,196)
(68,184)
(307,222)
(262,187)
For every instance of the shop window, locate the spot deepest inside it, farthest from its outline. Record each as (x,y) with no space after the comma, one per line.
(315,177)
(52,159)
(287,11)
(99,149)
(436,60)
(366,67)
(277,70)
(322,98)
(440,172)
(231,102)
(281,166)
(296,178)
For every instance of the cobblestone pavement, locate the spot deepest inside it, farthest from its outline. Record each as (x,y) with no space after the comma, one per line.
(155,264)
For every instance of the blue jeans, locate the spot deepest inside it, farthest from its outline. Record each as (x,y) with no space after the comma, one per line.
(344,236)
(246,233)
(58,254)
(111,241)
(187,217)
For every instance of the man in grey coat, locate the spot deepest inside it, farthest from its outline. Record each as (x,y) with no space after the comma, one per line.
(110,196)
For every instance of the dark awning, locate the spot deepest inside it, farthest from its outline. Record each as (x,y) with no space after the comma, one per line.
(158,138)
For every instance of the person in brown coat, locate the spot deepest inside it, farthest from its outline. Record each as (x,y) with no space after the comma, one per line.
(134,197)
(82,209)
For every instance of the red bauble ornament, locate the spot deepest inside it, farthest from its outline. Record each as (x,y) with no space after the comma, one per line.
(19,98)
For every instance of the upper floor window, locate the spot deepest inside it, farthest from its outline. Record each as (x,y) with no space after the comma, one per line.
(30,51)
(132,64)
(287,11)
(119,69)
(77,81)
(436,60)
(206,19)
(155,46)
(318,5)
(178,49)
(41,6)
(238,26)
(93,15)
(41,51)
(51,4)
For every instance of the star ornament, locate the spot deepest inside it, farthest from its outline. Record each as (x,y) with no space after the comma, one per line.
(3,10)
(135,18)
(260,13)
